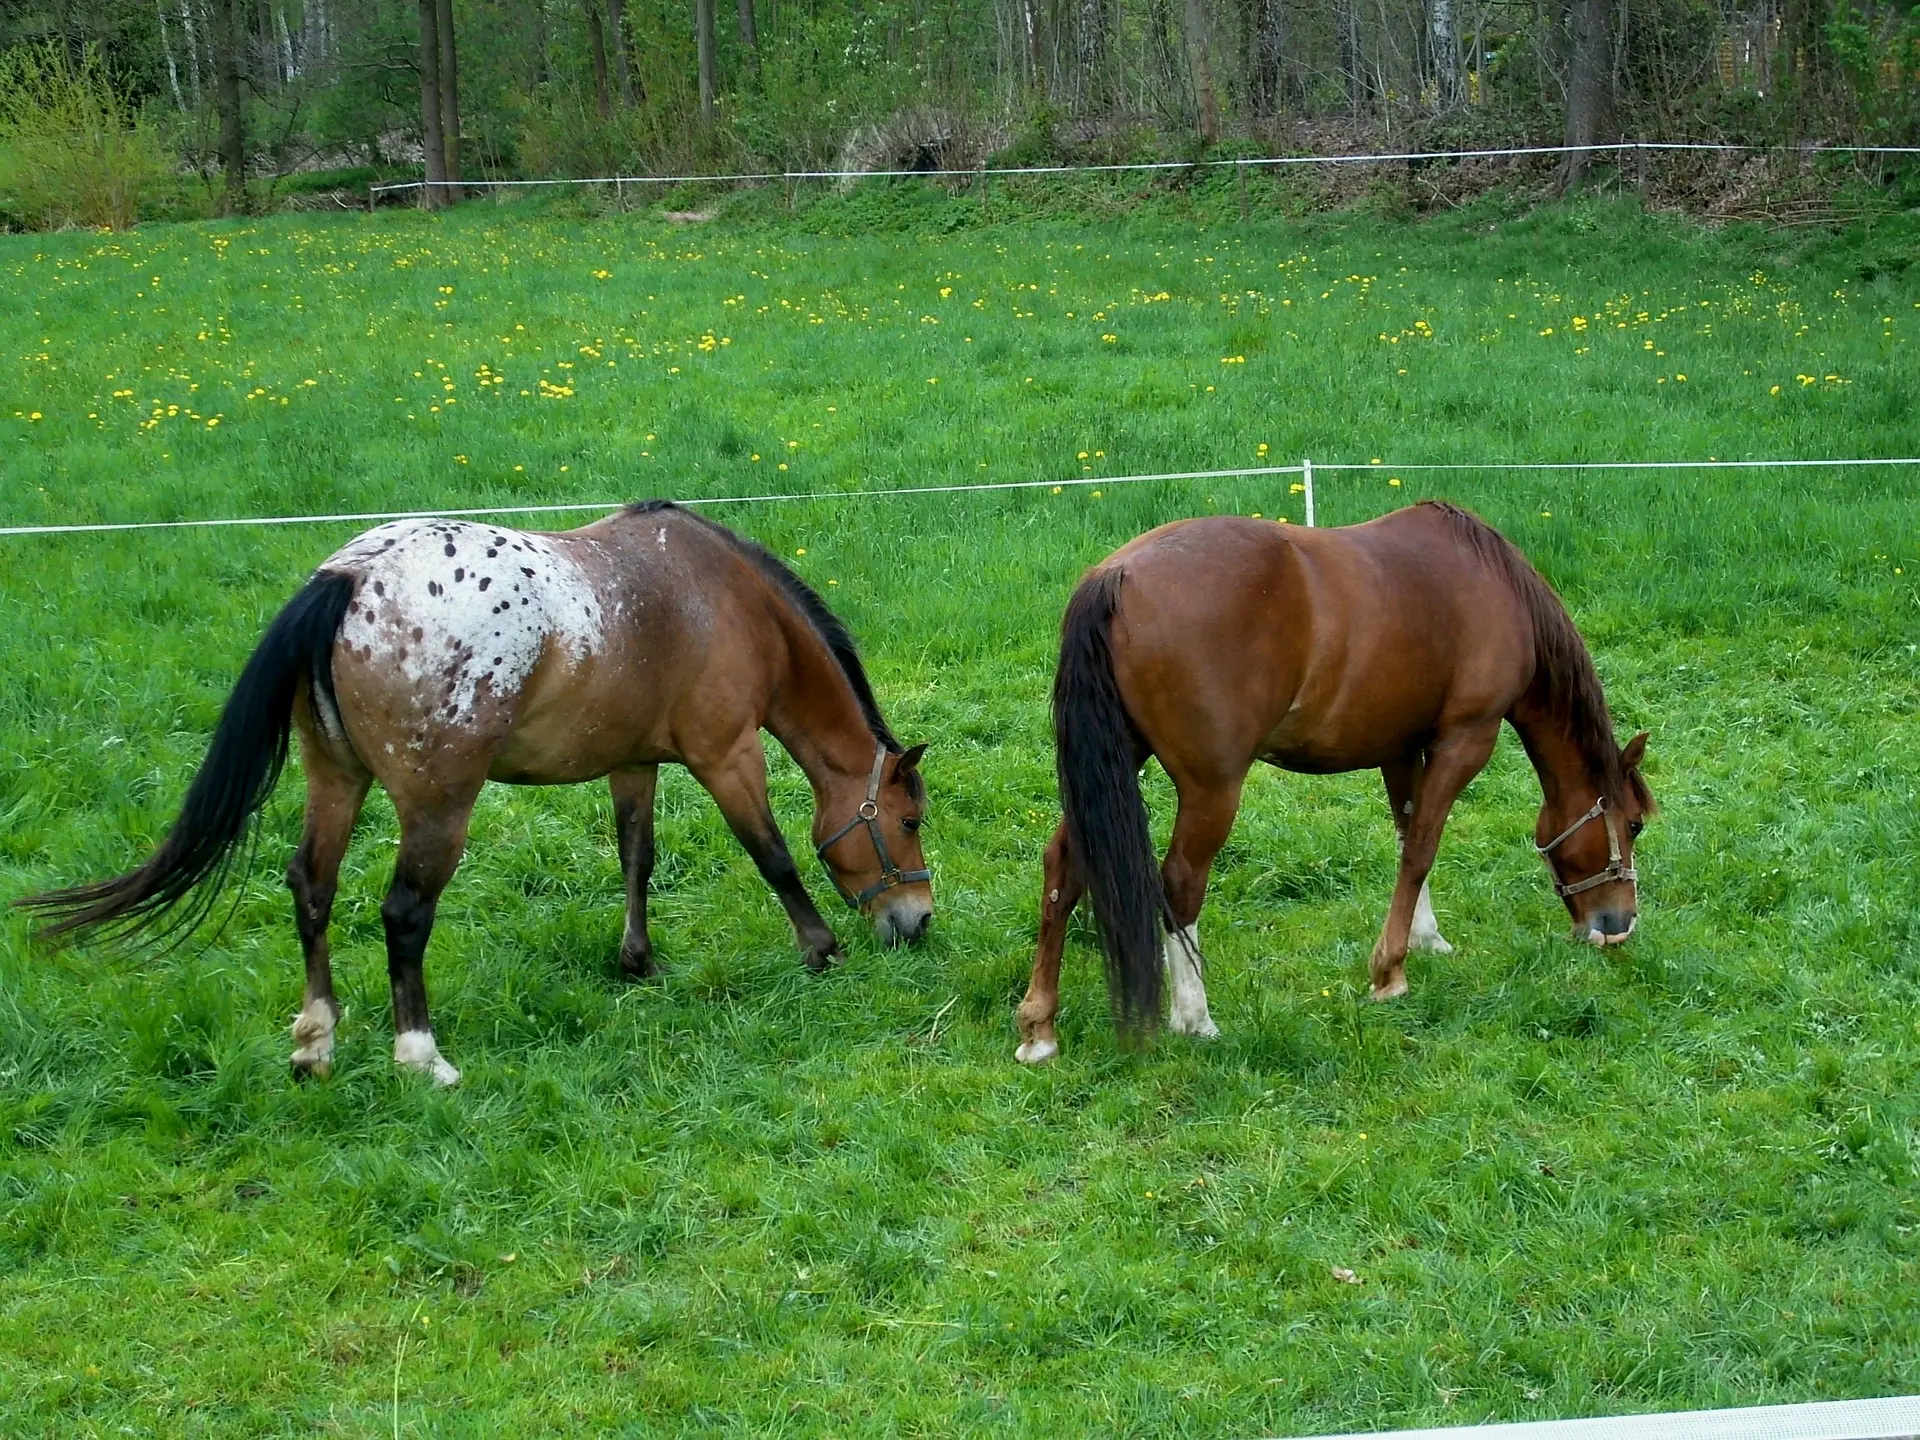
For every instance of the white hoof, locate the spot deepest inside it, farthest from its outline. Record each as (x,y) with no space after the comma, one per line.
(1037,1052)
(414,1050)
(1425,934)
(313,1039)
(1200,1027)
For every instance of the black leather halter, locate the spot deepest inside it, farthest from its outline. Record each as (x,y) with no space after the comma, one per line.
(1614,871)
(869,815)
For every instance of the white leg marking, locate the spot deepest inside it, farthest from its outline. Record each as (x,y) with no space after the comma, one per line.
(1189,1015)
(313,1038)
(1037,1052)
(415,1050)
(1425,931)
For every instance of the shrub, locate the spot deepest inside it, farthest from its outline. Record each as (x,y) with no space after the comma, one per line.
(73,149)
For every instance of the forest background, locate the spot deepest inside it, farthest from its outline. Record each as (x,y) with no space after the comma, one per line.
(111,110)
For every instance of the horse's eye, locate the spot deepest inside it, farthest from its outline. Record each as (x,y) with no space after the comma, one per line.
(911,824)
(1634,827)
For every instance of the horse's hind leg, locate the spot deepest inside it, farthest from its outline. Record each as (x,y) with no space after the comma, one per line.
(432,837)
(633,793)
(334,796)
(1403,783)
(1199,830)
(1060,892)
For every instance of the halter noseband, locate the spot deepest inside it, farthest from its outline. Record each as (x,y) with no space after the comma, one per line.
(1614,871)
(869,815)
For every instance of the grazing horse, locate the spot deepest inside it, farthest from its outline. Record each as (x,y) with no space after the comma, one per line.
(1401,643)
(435,655)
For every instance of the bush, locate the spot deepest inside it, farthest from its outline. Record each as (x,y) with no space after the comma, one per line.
(73,150)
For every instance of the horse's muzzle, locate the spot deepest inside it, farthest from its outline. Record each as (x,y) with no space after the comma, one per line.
(902,922)
(1609,928)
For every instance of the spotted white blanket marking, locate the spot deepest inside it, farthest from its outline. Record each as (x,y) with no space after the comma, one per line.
(467,606)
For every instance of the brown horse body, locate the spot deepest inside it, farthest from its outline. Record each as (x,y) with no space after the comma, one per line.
(431,656)
(1400,644)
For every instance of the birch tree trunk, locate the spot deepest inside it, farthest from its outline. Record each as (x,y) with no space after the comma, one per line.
(622,63)
(1446,53)
(166,48)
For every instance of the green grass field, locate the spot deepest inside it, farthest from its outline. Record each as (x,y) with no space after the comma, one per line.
(748,1200)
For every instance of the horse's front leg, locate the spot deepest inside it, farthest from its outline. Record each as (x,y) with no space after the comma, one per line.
(1452,760)
(738,785)
(1200,828)
(633,796)
(1402,777)
(1060,891)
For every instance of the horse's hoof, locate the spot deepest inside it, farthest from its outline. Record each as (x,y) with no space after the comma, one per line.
(1203,1029)
(1433,943)
(1037,1052)
(821,961)
(415,1050)
(1391,991)
(304,1069)
(637,967)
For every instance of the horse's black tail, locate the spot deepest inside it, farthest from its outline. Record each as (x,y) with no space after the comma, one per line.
(1098,763)
(243,762)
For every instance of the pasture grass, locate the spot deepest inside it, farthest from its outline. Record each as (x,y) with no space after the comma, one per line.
(748,1200)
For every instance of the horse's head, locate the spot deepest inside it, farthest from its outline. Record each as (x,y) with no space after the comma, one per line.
(874,859)
(1589,849)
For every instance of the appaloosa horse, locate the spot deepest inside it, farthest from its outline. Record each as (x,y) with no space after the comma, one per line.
(1401,643)
(435,655)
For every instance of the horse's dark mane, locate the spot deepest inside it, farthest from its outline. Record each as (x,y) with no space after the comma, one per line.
(805,599)
(1565,672)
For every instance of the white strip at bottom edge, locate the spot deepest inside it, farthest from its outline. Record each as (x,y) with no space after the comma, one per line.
(1892,1418)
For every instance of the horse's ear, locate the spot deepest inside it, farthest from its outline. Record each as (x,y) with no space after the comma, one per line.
(1633,752)
(910,760)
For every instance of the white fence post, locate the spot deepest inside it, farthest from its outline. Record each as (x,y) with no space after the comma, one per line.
(1306,484)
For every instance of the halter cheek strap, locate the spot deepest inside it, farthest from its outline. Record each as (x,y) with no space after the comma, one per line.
(1614,871)
(869,815)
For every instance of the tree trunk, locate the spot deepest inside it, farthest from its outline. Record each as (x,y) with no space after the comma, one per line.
(228,38)
(1036,48)
(1446,54)
(193,49)
(1346,27)
(1200,49)
(709,76)
(1267,63)
(539,44)
(432,139)
(597,43)
(623,66)
(749,32)
(166,48)
(1589,83)
(449,96)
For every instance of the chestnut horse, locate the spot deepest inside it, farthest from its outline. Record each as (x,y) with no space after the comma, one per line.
(435,655)
(1401,643)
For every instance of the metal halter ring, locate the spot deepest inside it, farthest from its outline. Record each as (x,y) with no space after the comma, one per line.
(869,815)
(1614,871)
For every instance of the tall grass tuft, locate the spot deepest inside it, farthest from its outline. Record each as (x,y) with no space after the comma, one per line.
(73,148)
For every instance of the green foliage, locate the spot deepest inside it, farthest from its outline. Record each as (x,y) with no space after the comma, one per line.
(73,149)
(749,1201)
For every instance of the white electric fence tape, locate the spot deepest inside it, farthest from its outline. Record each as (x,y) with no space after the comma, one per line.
(1894,1418)
(1267,162)
(1304,469)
